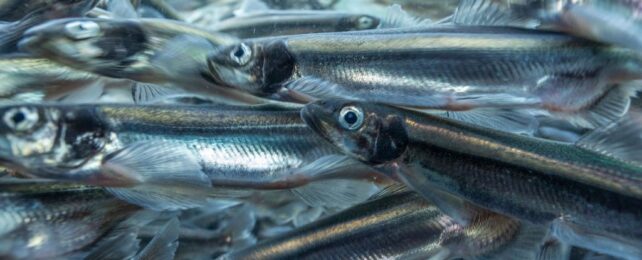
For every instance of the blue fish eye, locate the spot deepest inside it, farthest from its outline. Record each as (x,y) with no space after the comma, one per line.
(351,117)
(239,52)
(18,117)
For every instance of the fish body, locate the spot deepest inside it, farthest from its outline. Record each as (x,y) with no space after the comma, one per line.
(276,23)
(615,22)
(394,227)
(165,54)
(453,68)
(44,219)
(533,180)
(235,146)
(11,32)
(40,78)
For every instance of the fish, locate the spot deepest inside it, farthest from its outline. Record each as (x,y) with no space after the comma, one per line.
(615,22)
(278,23)
(302,5)
(45,219)
(11,32)
(15,10)
(586,192)
(164,56)
(440,67)
(26,78)
(397,226)
(173,157)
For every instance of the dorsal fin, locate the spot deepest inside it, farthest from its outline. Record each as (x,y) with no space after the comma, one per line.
(622,139)
(491,13)
(396,17)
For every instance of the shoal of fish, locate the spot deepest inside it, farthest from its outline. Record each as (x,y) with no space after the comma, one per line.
(320,129)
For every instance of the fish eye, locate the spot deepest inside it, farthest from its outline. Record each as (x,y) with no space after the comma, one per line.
(241,54)
(365,22)
(21,119)
(82,29)
(351,117)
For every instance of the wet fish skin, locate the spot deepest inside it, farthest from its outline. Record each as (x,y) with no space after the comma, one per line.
(10,33)
(224,138)
(277,23)
(169,54)
(22,75)
(396,226)
(609,21)
(44,219)
(529,179)
(438,67)
(14,10)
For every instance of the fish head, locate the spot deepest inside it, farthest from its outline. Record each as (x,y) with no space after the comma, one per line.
(36,137)
(254,67)
(103,46)
(358,22)
(371,133)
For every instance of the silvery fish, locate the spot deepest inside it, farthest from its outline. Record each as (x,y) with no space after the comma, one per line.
(441,67)
(587,192)
(399,226)
(276,23)
(11,32)
(155,51)
(14,10)
(617,22)
(44,219)
(172,157)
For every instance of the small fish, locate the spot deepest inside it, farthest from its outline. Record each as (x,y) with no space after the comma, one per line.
(165,54)
(586,193)
(440,67)
(278,23)
(398,226)
(257,20)
(616,22)
(191,152)
(15,10)
(44,219)
(10,33)
(301,4)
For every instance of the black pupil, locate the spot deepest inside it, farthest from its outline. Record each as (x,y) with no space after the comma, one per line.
(239,52)
(17,118)
(350,118)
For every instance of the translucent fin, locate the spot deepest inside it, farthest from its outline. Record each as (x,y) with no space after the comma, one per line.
(622,139)
(121,245)
(527,244)
(396,17)
(312,88)
(251,6)
(553,250)
(606,110)
(336,193)
(514,121)
(490,12)
(148,93)
(307,216)
(87,94)
(122,9)
(596,240)
(163,246)
(332,166)
(389,190)
(183,56)
(456,208)
(160,176)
